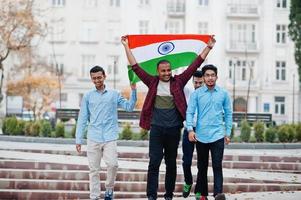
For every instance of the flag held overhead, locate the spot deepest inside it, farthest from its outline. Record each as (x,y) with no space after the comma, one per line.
(179,50)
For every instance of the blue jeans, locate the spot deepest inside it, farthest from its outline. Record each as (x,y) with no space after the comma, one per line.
(217,152)
(163,142)
(188,148)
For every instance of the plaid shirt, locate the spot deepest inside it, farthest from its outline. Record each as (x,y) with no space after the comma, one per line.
(177,84)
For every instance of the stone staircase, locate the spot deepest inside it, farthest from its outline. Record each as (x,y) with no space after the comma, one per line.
(32,177)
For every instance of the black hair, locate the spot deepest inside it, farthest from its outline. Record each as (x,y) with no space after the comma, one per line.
(198,74)
(97,69)
(162,62)
(209,67)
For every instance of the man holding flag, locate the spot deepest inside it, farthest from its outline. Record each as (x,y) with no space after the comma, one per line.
(165,106)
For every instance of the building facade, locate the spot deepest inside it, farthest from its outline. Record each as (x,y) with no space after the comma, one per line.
(254,54)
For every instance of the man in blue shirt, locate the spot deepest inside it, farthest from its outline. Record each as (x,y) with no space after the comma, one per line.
(99,112)
(212,103)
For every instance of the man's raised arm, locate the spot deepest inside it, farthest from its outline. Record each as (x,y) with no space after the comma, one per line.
(129,54)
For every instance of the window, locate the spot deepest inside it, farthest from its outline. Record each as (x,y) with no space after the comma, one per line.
(203,2)
(144,2)
(58,3)
(230,69)
(90,3)
(173,26)
(281,4)
(57,63)
(57,30)
(88,31)
(203,28)
(87,62)
(266,107)
(280,70)
(143,27)
(243,36)
(64,97)
(280,105)
(115,3)
(113,32)
(281,33)
(112,64)
(243,69)
(176,6)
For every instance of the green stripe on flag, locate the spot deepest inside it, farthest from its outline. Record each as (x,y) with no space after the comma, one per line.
(150,66)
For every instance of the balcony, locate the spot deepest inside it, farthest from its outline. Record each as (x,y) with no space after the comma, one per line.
(243,10)
(235,46)
(176,8)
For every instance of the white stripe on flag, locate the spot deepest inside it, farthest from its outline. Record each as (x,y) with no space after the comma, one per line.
(180,46)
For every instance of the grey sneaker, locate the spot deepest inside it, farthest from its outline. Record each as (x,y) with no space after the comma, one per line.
(109,195)
(168,198)
(220,197)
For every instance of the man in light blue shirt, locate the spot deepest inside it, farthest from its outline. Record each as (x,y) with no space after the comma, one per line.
(212,104)
(99,112)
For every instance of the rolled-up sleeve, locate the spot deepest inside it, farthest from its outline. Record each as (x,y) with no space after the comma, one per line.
(128,105)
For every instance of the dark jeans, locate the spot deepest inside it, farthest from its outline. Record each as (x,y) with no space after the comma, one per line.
(188,148)
(163,142)
(217,152)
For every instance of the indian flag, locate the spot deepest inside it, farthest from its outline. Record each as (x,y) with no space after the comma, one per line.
(179,50)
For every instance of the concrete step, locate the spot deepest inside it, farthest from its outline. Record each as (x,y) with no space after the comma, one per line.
(226,164)
(137,186)
(121,176)
(142,155)
(65,194)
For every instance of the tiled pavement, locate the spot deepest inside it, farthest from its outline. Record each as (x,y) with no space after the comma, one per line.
(55,171)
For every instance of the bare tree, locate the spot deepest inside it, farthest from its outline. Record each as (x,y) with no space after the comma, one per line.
(19,29)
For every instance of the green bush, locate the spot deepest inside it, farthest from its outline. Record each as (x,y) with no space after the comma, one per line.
(4,122)
(298,132)
(59,130)
(35,128)
(73,131)
(45,129)
(259,131)
(232,132)
(27,128)
(10,126)
(252,139)
(270,134)
(245,131)
(136,136)
(283,133)
(143,134)
(127,132)
(20,128)
(290,133)
(236,139)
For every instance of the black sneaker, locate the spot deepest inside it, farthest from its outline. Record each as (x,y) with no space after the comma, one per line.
(186,190)
(220,197)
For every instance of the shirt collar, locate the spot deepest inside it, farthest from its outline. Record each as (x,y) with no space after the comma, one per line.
(216,88)
(102,92)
